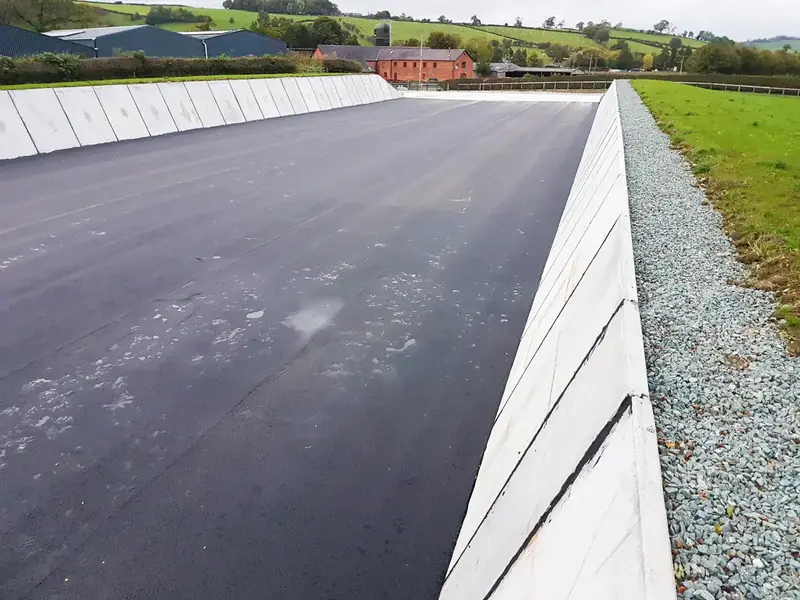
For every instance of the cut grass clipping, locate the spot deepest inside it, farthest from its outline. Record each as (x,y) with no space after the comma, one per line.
(745,150)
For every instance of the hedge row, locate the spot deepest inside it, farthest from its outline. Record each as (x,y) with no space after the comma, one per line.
(51,68)
(786,81)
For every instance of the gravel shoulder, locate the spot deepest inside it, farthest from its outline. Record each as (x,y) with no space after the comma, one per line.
(724,390)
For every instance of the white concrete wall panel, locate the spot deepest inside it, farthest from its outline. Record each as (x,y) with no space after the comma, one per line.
(204,103)
(355,95)
(44,119)
(121,111)
(86,116)
(152,108)
(381,87)
(369,92)
(331,91)
(296,95)
(180,106)
(279,95)
(264,99)
(319,93)
(309,98)
(14,138)
(341,90)
(226,101)
(568,501)
(247,101)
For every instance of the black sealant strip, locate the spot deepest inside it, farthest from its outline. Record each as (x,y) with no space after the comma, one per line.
(593,449)
(598,340)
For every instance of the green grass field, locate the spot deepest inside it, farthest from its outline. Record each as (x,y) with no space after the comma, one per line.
(748,148)
(539,36)
(120,14)
(659,38)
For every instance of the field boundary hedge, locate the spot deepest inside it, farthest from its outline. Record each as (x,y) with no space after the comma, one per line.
(56,68)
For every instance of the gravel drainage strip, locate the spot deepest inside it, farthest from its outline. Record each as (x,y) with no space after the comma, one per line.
(726,395)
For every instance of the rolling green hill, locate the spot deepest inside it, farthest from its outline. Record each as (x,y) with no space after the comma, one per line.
(777,44)
(644,43)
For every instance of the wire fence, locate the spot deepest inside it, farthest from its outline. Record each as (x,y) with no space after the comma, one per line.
(750,89)
(503,86)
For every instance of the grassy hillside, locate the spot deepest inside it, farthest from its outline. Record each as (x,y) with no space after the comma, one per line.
(658,38)
(540,36)
(777,45)
(123,14)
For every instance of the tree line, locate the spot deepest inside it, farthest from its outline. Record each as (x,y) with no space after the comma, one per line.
(285,7)
(324,30)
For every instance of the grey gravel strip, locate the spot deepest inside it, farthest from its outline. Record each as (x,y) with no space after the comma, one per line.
(725,394)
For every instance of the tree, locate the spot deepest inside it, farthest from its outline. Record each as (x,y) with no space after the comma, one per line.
(231,20)
(40,15)
(535,60)
(326,30)
(443,19)
(661,26)
(442,40)
(647,62)
(560,24)
(661,61)
(520,57)
(518,22)
(558,52)
(599,32)
(382,15)
(248,5)
(715,58)
(675,45)
(412,43)
(497,51)
(481,49)
(508,51)
(549,23)
(483,68)
(579,25)
(618,25)
(690,35)
(624,60)
(787,47)
(475,21)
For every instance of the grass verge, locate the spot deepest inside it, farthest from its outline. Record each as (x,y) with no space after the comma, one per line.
(29,86)
(745,150)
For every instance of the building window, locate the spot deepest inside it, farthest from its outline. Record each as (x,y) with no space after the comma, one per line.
(415,64)
(464,65)
(424,65)
(385,76)
(434,65)
(405,64)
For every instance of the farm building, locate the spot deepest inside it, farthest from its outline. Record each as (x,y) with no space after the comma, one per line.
(239,42)
(406,64)
(153,41)
(15,41)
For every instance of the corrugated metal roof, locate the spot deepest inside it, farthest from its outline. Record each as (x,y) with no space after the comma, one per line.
(91,33)
(373,53)
(205,35)
(15,41)
(505,67)
(405,53)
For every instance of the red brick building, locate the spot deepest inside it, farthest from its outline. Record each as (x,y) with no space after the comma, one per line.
(406,64)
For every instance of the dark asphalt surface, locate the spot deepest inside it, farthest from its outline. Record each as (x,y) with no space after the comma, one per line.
(262,361)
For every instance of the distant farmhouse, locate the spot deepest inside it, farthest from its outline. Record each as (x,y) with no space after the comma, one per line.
(400,63)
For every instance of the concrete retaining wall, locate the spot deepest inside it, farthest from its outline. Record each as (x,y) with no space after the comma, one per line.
(568,501)
(48,119)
